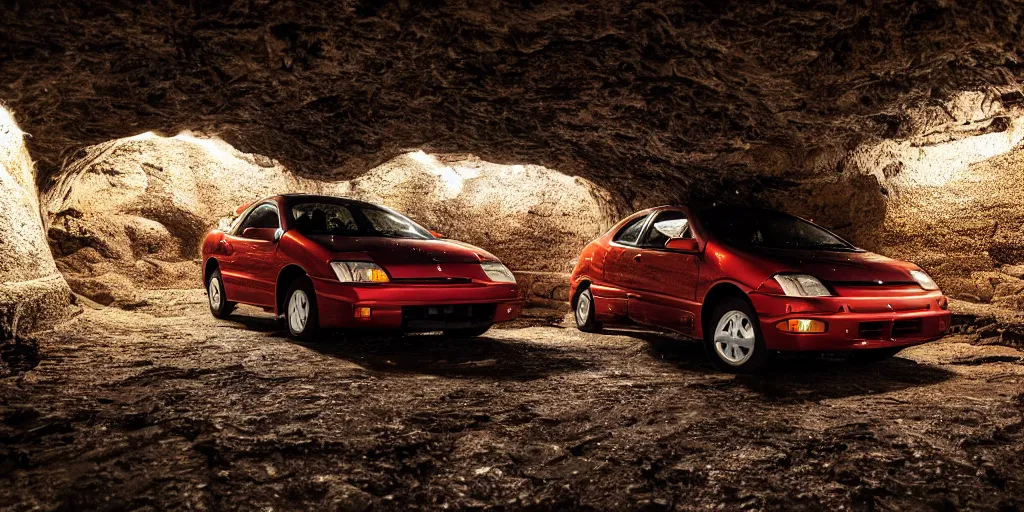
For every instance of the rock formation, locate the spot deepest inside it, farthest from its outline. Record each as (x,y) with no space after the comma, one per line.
(32,293)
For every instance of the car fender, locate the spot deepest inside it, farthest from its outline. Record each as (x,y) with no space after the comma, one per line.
(311,257)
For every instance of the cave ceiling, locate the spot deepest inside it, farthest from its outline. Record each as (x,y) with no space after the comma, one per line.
(690,95)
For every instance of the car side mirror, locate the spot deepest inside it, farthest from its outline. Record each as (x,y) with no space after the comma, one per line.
(265,234)
(436,234)
(683,245)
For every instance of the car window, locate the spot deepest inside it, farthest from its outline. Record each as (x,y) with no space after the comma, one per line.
(354,219)
(325,218)
(391,224)
(263,216)
(667,225)
(630,233)
(769,229)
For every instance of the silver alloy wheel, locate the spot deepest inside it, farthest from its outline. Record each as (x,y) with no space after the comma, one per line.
(735,338)
(298,311)
(583,308)
(214,292)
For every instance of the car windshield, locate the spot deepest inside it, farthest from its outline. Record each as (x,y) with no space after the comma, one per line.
(354,219)
(769,229)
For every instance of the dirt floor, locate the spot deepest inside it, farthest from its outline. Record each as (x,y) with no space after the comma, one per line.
(165,408)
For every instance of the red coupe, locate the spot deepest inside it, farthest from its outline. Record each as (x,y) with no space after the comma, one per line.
(328,262)
(752,281)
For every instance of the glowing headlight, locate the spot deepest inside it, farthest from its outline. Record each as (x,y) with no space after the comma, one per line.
(497,272)
(805,325)
(359,272)
(802,285)
(924,280)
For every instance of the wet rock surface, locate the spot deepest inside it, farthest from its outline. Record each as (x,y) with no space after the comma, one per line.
(165,408)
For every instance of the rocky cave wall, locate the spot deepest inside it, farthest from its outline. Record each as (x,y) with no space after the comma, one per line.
(32,293)
(655,100)
(965,225)
(844,112)
(953,190)
(946,194)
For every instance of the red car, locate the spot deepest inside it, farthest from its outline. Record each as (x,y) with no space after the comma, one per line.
(752,281)
(328,262)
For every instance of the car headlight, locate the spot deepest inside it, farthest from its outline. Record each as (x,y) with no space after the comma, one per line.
(359,272)
(802,285)
(498,272)
(924,280)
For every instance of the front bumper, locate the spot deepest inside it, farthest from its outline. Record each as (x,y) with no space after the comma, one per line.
(854,323)
(337,304)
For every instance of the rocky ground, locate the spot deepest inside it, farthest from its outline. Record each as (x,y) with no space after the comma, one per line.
(165,408)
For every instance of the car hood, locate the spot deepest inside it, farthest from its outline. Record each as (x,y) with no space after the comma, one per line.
(403,251)
(841,266)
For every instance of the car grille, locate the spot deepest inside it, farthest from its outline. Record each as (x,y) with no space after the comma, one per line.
(903,328)
(432,280)
(450,316)
(871,330)
(898,329)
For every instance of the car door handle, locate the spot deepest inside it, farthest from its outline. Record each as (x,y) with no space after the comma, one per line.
(225,247)
(632,296)
(637,257)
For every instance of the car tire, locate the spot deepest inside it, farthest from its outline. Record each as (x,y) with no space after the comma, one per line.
(219,305)
(466,333)
(584,312)
(732,337)
(874,355)
(300,311)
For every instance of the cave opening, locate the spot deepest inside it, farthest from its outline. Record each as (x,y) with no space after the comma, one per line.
(132,212)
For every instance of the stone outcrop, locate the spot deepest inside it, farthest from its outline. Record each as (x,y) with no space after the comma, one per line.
(533,218)
(33,295)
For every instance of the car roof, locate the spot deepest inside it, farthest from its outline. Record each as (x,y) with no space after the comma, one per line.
(315,197)
(717,207)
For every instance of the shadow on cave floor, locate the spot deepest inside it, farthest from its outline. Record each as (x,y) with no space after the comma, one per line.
(797,377)
(788,378)
(262,322)
(485,357)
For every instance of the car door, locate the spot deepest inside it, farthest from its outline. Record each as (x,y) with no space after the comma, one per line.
(248,267)
(665,279)
(621,264)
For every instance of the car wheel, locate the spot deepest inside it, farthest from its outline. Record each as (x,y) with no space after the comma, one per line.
(583,311)
(733,337)
(300,310)
(219,305)
(874,355)
(466,333)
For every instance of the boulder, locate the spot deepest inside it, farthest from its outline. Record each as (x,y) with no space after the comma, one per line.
(33,294)
(532,217)
(140,206)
